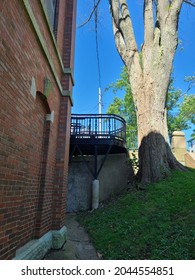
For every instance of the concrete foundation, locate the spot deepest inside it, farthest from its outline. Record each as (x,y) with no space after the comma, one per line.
(37,248)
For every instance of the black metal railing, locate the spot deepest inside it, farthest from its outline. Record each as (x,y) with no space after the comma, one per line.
(98,126)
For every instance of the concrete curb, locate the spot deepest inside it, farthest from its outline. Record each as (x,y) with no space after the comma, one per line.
(37,248)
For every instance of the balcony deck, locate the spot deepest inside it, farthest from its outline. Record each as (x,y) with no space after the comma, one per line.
(106,131)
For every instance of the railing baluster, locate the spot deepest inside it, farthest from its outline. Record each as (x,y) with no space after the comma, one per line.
(109,125)
(95,125)
(103,126)
(89,125)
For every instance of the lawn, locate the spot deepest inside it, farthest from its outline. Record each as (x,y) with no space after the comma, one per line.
(157,223)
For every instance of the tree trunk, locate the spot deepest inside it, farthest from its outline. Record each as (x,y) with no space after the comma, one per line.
(155,156)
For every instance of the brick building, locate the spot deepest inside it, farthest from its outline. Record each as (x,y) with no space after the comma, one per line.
(37,56)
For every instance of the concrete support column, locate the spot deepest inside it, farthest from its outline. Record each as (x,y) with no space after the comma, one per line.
(95,194)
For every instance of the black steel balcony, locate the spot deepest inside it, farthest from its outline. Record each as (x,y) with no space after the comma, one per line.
(102,130)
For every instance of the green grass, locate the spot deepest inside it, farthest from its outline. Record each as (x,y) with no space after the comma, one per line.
(158,223)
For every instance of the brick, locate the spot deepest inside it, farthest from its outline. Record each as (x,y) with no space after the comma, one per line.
(28,143)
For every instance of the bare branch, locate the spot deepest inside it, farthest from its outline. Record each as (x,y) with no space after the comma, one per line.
(162,10)
(91,14)
(173,15)
(118,36)
(126,27)
(123,31)
(114,9)
(120,43)
(190,3)
(148,22)
(125,40)
(168,28)
(175,7)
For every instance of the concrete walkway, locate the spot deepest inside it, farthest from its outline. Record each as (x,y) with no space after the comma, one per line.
(78,245)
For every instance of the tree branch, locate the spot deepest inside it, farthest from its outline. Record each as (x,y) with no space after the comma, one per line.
(114,8)
(175,7)
(168,29)
(173,16)
(190,3)
(123,30)
(162,10)
(126,27)
(118,36)
(91,14)
(148,22)
(120,43)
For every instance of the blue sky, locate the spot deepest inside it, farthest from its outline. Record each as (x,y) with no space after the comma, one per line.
(85,93)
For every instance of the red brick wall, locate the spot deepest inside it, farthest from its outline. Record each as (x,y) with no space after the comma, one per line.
(28,143)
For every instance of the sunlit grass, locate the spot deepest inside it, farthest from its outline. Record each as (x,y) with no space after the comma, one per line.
(158,223)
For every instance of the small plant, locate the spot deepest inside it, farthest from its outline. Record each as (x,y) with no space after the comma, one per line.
(134,161)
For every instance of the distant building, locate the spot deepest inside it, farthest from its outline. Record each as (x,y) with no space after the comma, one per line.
(37,57)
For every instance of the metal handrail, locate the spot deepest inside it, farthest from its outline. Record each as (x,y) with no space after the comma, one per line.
(98,126)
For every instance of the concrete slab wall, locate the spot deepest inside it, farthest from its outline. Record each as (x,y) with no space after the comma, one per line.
(190,159)
(113,179)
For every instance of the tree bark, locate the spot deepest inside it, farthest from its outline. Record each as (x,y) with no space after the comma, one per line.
(149,76)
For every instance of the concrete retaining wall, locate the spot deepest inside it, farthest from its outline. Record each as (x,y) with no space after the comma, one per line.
(179,149)
(190,160)
(113,179)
